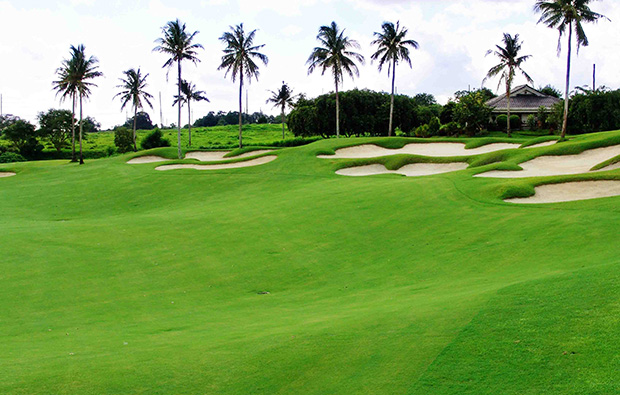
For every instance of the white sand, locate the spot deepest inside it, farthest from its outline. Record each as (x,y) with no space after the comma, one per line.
(212,156)
(559,165)
(566,192)
(410,170)
(424,149)
(545,144)
(6,174)
(147,159)
(248,163)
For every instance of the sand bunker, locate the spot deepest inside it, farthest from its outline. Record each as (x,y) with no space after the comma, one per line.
(560,165)
(411,170)
(545,144)
(424,149)
(6,174)
(212,156)
(570,191)
(147,159)
(248,163)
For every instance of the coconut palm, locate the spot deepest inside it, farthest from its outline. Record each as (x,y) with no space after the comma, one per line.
(178,44)
(335,54)
(282,98)
(66,87)
(132,90)
(567,15)
(509,63)
(84,69)
(392,48)
(238,60)
(189,93)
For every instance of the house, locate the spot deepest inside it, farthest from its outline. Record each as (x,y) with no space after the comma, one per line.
(524,101)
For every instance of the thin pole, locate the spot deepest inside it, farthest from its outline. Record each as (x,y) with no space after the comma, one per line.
(1,105)
(161,116)
(594,77)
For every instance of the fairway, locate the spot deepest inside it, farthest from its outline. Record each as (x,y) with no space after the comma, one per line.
(287,278)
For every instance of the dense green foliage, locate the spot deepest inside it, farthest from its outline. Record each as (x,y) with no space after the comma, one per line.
(23,137)
(8,157)
(123,140)
(56,127)
(286,278)
(154,140)
(143,121)
(594,112)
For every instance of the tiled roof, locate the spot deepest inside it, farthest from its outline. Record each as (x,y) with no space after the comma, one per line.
(523,98)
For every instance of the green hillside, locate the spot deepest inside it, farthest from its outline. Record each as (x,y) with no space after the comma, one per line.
(286,278)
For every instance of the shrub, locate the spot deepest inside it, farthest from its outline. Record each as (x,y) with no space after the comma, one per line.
(123,140)
(422,131)
(154,140)
(501,121)
(450,129)
(531,122)
(9,157)
(515,122)
(433,126)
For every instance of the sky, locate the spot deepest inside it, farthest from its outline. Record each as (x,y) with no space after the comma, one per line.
(454,36)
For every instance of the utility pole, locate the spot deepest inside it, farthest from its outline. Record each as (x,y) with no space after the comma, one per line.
(1,105)
(161,116)
(594,77)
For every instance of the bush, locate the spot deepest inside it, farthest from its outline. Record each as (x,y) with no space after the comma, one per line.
(450,129)
(154,140)
(531,122)
(9,157)
(422,131)
(123,140)
(515,122)
(501,121)
(433,126)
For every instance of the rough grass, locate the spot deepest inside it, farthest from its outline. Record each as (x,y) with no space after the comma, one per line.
(117,278)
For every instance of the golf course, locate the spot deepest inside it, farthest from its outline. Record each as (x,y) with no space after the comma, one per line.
(280,276)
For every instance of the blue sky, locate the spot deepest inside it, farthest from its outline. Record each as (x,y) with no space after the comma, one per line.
(454,36)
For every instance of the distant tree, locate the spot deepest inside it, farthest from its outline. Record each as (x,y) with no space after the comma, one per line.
(23,137)
(335,54)
(189,93)
(550,91)
(154,140)
(238,60)
(567,15)
(142,121)
(282,98)
(123,139)
(472,113)
(56,126)
(6,120)
(447,113)
(90,126)
(67,87)
(177,43)
(208,120)
(83,69)
(391,49)
(424,99)
(509,63)
(133,90)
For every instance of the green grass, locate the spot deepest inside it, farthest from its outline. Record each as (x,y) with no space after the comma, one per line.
(117,278)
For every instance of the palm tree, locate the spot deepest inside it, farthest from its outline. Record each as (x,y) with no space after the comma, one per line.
(84,69)
(238,61)
(282,98)
(567,15)
(177,43)
(509,63)
(189,93)
(392,48)
(334,54)
(133,86)
(66,86)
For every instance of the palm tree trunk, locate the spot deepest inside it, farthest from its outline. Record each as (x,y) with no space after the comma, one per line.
(73,158)
(392,98)
(179,107)
(565,120)
(337,112)
(283,122)
(240,107)
(135,116)
(508,108)
(189,122)
(81,124)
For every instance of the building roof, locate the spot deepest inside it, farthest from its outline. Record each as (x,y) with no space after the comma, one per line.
(523,98)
